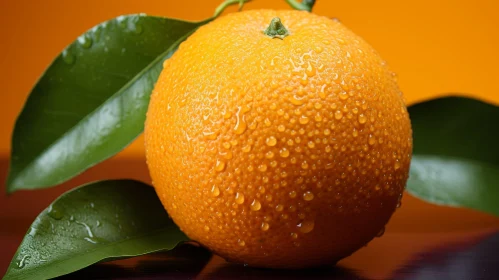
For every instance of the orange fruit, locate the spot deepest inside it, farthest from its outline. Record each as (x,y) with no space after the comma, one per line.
(281,153)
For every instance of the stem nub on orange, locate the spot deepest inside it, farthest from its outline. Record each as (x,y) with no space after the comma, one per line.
(290,151)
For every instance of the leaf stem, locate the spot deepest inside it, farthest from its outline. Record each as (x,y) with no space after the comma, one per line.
(228,3)
(305,5)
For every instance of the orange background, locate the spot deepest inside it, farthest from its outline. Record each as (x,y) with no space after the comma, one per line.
(436,47)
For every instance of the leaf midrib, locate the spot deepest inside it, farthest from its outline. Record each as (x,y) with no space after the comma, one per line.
(118,93)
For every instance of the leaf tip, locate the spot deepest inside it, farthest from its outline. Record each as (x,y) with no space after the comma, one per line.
(10,188)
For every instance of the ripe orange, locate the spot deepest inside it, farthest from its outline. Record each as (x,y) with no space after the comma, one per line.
(274,152)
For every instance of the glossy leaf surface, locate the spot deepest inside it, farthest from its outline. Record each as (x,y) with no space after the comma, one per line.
(92,101)
(100,221)
(456,153)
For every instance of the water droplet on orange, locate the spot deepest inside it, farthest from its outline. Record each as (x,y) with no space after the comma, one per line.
(343,95)
(296,100)
(284,152)
(304,119)
(269,154)
(256,205)
(219,166)
(215,191)
(246,149)
(362,119)
(239,198)
(241,125)
(397,164)
(271,141)
(306,226)
(304,165)
(267,122)
(265,226)
(310,70)
(308,196)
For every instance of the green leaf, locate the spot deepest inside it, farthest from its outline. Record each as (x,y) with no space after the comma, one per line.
(456,153)
(92,100)
(100,221)
(304,5)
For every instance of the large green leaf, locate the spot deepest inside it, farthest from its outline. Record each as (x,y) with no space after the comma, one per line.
(100,221)
(456,153)
(91,102)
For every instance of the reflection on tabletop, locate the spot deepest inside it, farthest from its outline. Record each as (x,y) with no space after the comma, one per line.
(473,256)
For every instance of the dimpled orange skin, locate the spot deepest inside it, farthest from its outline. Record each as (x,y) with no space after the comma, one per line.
(278,153)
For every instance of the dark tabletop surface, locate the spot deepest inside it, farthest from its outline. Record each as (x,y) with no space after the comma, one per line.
(465,255)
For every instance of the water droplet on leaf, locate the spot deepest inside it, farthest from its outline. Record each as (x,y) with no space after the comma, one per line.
(55,213)
(68,57)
